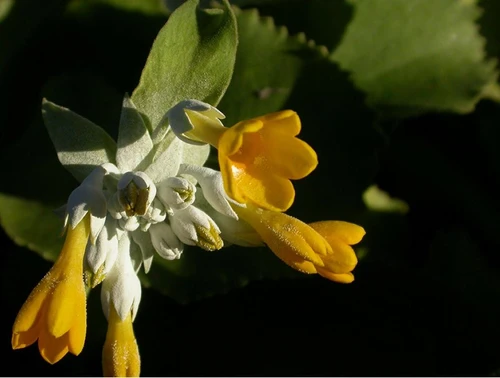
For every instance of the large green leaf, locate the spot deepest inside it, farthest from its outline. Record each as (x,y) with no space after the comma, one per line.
(415,56)
(264,74)
(148,7)
(192,57)
(323,21)
(31,224)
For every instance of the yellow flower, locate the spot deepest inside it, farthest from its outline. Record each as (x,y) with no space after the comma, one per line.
(257,157)
(120,355)
(340,236)
(55,311)
(322,247)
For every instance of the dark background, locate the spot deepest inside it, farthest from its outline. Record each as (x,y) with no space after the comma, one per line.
(426,297)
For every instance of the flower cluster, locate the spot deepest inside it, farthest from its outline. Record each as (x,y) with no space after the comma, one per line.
(154,197)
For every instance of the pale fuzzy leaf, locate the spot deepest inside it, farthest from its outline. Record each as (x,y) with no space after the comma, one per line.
(134,141)
(416,56)
(80,144)
(196,155)
(167,162)
(195,63)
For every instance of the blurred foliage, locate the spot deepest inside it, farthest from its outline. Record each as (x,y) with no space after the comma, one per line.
(426,296)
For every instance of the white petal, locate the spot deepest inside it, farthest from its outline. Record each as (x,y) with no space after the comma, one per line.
(233,231)
(143,240)
(105,250)
(131,224)
(135,256)
(168,192)
(89,197)
(183,223)
(165,242)
(213,187)
(122,287)
(96,225)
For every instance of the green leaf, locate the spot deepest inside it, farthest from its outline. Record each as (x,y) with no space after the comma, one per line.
(323,21)
(134,141)
(5,7)
(264,74)
(147,7)
(417,56)
(31,224)
(192,57)
(80,144)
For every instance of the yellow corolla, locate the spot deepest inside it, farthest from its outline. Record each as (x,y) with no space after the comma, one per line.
(120,355)
(257,157)
(322,247)
(342,260)
(260,156)
(55,311)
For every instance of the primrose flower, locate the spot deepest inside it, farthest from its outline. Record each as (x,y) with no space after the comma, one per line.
(55,311)
(257,157)
(149,194)
(321,247)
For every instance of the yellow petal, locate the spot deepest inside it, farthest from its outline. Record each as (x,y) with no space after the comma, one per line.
(285,121)
(349,233)
(69,291)
(288,156)
(77,333)
(61,309)
(120,355)
(342,260)
(340,278)
(206,129)
(231,140)
(290,239)
(52,307)
(30,312)
(52,349)
(302,266)
(267,191)
(22,339)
